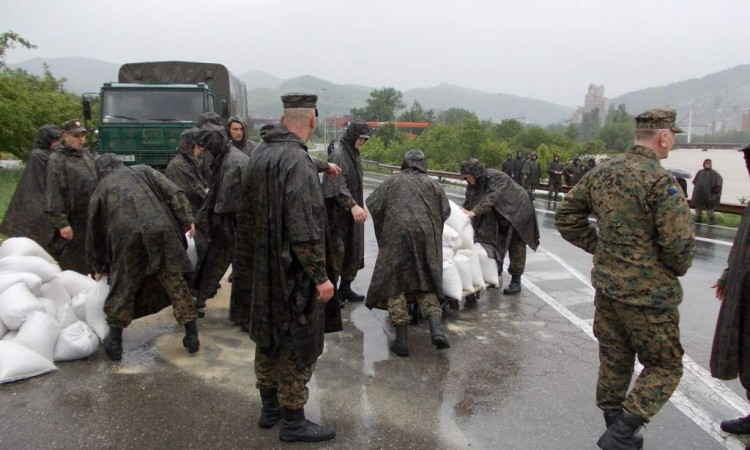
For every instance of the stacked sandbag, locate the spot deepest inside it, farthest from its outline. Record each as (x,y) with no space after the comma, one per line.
(461,262)
(46,315)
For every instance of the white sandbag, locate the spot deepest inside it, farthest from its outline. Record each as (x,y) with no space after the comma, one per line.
(18,362)
(55,290)
(95,317)
(452,287)
(9,336)
(192,252)
(16,304)
(76,341)
(3,329)
(75,283)
(34,264)
(467,238)
(65,315)
(49,307)
(464,271)
(78,303)
(448,254)
(477,280)
(39,333)
(458,220)
(32,281)
(489,266)
(21,246)
(451,238)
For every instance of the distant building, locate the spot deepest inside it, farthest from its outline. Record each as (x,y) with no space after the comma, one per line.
(594,99)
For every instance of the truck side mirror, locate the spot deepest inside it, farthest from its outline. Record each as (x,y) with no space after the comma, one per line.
(224,109)
(86,109)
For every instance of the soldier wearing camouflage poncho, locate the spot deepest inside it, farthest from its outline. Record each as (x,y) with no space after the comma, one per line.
(644,242)
(187,171)
(408,211)
(136,222)
(70,180)
(281,268)
(503,218)
(25,215)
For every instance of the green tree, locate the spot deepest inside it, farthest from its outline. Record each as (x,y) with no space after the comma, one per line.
(381,106)
(616,135)
(507,129)
(8,40)
(589,125)
(453,116)
(417,114)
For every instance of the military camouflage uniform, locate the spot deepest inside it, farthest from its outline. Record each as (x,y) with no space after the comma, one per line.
(278,370)
(531,172)
(136,223)
(70,181)
(187,171)
(645,241)
(408,212)
(555,169)
(25,216)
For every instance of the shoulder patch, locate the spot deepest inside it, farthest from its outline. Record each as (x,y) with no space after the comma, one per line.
(671,191)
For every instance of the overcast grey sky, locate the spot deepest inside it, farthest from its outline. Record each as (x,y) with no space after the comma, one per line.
(544,49)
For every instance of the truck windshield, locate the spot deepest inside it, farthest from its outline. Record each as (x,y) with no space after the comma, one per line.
(143,105)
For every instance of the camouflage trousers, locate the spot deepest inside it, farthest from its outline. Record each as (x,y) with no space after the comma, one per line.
(624,332)
(120,309)
(699,213)
(279,371)
(427,301)
(347,272)
(516,254)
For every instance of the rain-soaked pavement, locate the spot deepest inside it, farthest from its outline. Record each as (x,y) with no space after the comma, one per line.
(520,374)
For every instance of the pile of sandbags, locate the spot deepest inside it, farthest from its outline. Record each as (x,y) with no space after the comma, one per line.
(466,266)
(46,315)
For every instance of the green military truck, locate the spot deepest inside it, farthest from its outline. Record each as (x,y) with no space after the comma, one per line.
(142,116)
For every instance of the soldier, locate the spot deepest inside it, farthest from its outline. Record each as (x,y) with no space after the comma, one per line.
(572,172)
(281,268)
(508,165)
(730,355)
(555,171)
(238,134)
(408,211)
(216,220)
(70,181)
(346,216)
(25,215)
(503,218)
(186,169)
(706,192)
(136,222)
(644,242)
(530,173)
(517,170)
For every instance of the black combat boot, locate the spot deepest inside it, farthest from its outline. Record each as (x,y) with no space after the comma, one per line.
(514,287)
(190,341)
(436,331)
(400,345)
(736,426)
(621,434)
(346,292)
(200,305)
(294,428)
(609,419)
(270,413)
(113,343)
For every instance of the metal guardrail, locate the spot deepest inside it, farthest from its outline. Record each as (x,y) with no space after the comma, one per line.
(726,208)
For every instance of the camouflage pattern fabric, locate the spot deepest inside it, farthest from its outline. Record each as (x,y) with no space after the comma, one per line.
(707,187)
(341,194)
(516,255)
(554,170)
(531,172)
(408,212)
(398,313)
(517,168)
(645,239)
(283,208)
(277,369)
(70,180)
(135,230)
(187,172)
(25,215)
(652,334)
(507,167)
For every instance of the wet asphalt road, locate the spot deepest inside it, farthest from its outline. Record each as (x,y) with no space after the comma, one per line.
(520,374)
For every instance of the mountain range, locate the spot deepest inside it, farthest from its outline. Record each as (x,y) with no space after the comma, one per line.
(720,98)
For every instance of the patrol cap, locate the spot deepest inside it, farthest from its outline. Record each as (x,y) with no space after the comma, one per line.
(468,166)
(300,100)
(73,126)
(658,119)
(707,160)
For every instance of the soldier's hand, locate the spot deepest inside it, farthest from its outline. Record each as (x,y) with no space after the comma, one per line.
(333,170)
(470,214)
(67,233)
(191,230)
(97,276)
(719,286)
(325,291)
(360,215)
